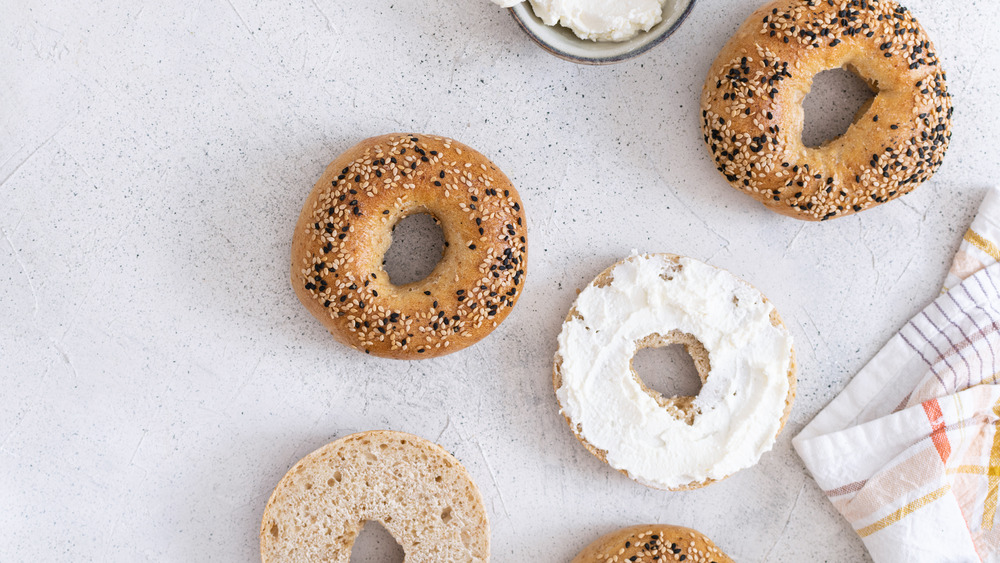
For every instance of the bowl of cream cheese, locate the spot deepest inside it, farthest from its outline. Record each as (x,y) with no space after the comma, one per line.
(598,31)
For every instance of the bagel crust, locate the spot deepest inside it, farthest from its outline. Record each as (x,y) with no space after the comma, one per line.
(346,227)
(652,543)
(752,116)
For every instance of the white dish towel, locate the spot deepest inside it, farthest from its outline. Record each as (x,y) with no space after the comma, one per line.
(909,452)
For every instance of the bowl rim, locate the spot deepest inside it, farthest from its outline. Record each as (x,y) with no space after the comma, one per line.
(599,60)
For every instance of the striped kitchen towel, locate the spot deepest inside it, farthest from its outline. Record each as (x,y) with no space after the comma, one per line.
(909,452)
(979,245)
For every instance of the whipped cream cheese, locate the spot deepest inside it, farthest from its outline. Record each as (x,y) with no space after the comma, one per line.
(741,403)
(598,20)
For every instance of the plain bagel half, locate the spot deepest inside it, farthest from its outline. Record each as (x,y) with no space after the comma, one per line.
(418,491)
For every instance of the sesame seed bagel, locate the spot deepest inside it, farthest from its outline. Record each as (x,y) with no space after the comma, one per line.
(419,492)
(740,348)
(752,116)
(346,227)
(652,543)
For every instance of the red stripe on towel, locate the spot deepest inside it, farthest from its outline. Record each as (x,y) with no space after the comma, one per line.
(938,434)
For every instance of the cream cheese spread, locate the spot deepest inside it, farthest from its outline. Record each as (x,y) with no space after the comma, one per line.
(598,20)
(741,403)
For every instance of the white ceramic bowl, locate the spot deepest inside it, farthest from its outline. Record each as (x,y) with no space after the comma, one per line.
(561,42)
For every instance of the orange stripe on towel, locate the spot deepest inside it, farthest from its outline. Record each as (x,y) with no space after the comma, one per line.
(938,434)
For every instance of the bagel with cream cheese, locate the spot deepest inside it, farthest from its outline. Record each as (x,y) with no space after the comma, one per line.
(741,349)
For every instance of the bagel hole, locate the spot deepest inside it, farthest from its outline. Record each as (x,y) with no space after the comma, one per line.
(838,97)
(668,370)
(417,247)
(375,544)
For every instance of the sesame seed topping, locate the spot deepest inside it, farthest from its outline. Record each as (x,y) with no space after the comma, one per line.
(368,197)
(746,91)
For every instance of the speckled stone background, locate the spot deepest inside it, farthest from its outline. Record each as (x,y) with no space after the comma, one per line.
(159,375)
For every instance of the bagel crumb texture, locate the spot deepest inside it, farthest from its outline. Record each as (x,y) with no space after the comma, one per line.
(346,227)
(752,114)
(419,492)
(652,543)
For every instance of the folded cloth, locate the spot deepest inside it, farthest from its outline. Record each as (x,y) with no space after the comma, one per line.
(979,245)
(909,452)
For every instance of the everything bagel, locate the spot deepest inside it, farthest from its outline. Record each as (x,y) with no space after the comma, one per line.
(346,226)
(650,544)
(752,114)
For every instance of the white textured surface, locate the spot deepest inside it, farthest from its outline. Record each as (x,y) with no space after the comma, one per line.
(159,376)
